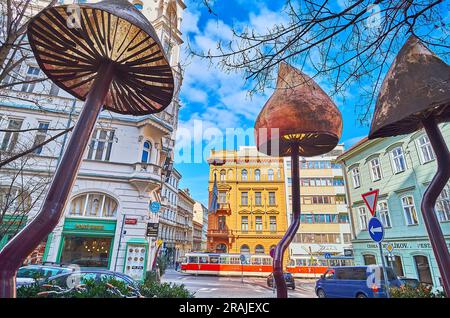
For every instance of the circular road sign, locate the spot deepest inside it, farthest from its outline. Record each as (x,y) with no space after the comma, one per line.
(155,206)
(376,229)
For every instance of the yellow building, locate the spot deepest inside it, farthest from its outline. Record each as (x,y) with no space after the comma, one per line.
(252,205)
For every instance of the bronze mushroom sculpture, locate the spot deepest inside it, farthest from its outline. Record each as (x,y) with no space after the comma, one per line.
(109,55)
(299,119)
(415,94)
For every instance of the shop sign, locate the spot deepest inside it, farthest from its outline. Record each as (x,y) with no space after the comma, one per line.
(152,229)
(348,252)
(89,227)
(131,221)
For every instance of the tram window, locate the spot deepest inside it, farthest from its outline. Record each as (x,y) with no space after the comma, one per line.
(301,262)
(223,260)
(256,261)
(321,262)
(267,261)
(193,259)
(203,259)
(235,260)
(214,259)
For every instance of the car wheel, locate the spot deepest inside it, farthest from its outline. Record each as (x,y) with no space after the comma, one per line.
(321,293)
(361,295)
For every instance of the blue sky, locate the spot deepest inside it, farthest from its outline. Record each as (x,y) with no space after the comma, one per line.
(220,100)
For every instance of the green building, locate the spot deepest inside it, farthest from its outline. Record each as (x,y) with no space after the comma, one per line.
(401,168)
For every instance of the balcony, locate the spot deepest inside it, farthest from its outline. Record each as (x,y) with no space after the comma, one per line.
(224,208)
(146,177)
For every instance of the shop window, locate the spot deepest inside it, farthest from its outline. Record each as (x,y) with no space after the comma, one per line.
(423,269)
(86,251)
(369,259)
(93,205)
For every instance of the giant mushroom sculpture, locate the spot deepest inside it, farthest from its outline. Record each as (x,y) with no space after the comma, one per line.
(109,55)
(299,119)
(415,94)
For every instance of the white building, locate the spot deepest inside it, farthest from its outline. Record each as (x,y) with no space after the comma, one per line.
(325,228)
(107,222)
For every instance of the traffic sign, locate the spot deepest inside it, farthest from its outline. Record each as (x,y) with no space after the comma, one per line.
(327,255)
(370,198)
(243,258)
(390,247)
(376,230)
(155,206)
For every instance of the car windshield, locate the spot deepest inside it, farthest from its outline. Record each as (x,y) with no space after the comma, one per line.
(38,272)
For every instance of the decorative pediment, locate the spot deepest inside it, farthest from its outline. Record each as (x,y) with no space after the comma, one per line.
(245,211)
(273,211)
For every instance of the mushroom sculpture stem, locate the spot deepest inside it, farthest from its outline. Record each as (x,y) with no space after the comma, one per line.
(16,251)
(429,200)
(292,230)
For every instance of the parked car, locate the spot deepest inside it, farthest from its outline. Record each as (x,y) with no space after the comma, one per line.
(355,281)
(67,280)
(28,275)
(288,278)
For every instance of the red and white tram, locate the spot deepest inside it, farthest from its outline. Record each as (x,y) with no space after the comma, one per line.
(226,264)
(257,264)
(314,266)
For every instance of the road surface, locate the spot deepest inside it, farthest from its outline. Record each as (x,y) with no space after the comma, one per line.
(234,287)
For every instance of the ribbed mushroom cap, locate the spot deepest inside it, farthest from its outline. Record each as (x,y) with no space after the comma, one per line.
(416,86)
(71,44)
(302,113)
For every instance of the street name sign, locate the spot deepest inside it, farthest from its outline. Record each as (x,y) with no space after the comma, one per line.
(370,198)
(376,230)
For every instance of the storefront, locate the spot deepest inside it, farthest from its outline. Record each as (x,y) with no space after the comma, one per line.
(87,242)
(10,226)
(136,258)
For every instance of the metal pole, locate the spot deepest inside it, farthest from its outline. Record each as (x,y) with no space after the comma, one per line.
(430,196)
(386,278)
(16,251)
(292,230)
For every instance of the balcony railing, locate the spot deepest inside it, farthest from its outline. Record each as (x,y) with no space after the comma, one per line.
(220,233)
(224,208)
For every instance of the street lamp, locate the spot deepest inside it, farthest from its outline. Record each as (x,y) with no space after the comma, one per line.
(109,55)
(416,93)
(302,120)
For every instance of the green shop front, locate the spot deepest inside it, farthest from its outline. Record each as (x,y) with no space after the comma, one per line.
(87,242)
(10,225)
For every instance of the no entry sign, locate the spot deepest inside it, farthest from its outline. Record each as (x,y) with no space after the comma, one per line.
(370,198)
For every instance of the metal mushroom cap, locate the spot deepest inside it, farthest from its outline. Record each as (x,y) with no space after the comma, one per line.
(304,114)
(71,44)
(416,87)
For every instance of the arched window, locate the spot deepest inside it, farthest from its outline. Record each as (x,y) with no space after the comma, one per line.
(146,152)
(93,205)
(245,249)
(257,175)
(223,175)
(270,174)
(221,248)
(259,249)
(244,175)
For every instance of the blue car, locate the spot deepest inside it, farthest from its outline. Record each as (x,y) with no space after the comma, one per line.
(355,282)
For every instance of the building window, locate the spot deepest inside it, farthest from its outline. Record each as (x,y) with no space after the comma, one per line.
(383,213)
(258,224)
(223,175)
(396,264)
(270,174)
(41,134)
(86,251)
(425,149)
(101,144)
(409,210)
(244,198)
(423,269)
(222,197)
(273,224)
(443,205)
(398,160)
(369,259)
(258,199)
(221,222)
(244,224)
(30,78)
(146,152)
(362,218)
(93,205)
(221,248)
(245,249)
(375,169)
(10,138)
(244,175)
(272,198)
(355,178)
(54,90)
(259,249)
(257,175)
